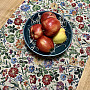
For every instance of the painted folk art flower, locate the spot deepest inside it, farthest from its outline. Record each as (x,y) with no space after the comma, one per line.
(70,78)
(13,72)
(63,77)
(60,86)
(25,7)
(31,69)
(20,43)
(79,18)
(32,79)
(46,79)
(13,60)
(17,21)
(73,61)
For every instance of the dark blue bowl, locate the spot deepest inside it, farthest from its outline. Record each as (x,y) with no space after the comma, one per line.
(58,49)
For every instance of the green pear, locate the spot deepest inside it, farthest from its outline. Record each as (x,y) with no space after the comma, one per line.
(60,37)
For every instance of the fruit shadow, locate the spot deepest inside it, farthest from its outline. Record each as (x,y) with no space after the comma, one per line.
(40,57)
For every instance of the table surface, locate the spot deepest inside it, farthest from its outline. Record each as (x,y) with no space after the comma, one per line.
(20,68)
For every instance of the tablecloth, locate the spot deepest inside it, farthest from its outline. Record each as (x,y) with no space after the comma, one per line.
(22,69)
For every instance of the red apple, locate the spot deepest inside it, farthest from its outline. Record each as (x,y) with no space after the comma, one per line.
(45,44)
(51,26)
(46,15)
(36,31)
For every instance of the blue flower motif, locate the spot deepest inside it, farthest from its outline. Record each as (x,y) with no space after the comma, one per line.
(9,21)
(48,63)
(31,69)
(70,12)
(62,4)
(25,7)
(13,60)
(19,78)
(80,4)
(63,77)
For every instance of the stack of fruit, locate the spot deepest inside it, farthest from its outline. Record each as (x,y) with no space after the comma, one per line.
(48,33)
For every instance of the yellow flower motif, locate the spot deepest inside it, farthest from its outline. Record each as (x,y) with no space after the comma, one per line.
(38,61)
(73,61)
(54,6)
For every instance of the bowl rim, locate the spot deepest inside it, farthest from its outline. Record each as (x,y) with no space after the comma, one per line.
(43,54)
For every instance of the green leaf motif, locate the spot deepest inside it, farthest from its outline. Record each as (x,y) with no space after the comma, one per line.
(17,34)
(45,71)
(87,1)
(10,38)
(36,7)
(39,74)
(66,88)
(16,85)
(1,44)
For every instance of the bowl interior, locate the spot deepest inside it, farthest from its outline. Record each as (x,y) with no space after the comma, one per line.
(58,49)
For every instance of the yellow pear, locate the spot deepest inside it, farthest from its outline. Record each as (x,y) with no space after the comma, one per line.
(60,37)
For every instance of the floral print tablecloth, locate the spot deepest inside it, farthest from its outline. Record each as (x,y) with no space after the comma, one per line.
(21,69)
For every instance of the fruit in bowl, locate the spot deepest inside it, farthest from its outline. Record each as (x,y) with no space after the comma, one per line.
(60,37)
(47,34)
(51,26)
(36,31)
(45,44)
(46,15)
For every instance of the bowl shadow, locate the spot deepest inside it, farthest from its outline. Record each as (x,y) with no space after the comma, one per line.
(41,57)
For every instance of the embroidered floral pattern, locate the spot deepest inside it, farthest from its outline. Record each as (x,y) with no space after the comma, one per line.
(22,69)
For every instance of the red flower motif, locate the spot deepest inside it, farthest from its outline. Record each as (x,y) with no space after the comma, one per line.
(46,79)
(79,39)
(18,21)
(83,3)
(5,88)
(81,63)
(70,78)
(70,88)
(12,72)
(73,4)
(88,51)
(79,18)
(89,5)
(32,79)
(81,51)
(81,26)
